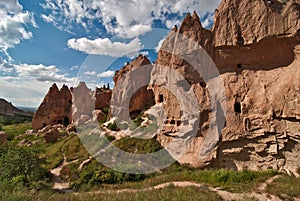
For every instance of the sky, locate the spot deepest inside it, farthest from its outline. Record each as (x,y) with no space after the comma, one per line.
(66,41)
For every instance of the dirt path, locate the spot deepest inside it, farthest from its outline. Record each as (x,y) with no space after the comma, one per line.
(260,195)
(59,183)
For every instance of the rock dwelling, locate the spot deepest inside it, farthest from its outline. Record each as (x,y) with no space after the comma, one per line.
(255,46)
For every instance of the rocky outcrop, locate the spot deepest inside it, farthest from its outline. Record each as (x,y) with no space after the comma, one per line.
(56,108)
(130,94)
(102,97)
(256,51)
(83,101)
(258,34)
(249,22)
(66,106)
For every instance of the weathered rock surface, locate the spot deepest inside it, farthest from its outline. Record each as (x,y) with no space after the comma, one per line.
(102,97)
(56,108)
(98,115)
(51,135)
(3,137)
(249,22)
(130,94)
(83,101)
(256,50)
(67,106)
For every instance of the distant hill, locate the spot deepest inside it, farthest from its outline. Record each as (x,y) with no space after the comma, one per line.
(7,108)
(10,115)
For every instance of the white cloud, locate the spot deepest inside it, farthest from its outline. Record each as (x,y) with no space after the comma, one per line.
(208,21)
(14,24)
(90,73)
(26,85)
(39,72)
(159,45)
(171,23)
(74,68)
(104,46)
(48,19)
(106,74)
(126,18)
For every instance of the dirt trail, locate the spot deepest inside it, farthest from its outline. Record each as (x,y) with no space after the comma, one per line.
(59,183)
(260,195)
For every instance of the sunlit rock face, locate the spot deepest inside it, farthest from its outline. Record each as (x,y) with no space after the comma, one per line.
(56,108)
(255,46)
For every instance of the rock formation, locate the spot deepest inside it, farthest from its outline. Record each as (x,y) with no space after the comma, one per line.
(66,106)
(83,102)
(130,92)
(256,48)
(102,97)
(56,108)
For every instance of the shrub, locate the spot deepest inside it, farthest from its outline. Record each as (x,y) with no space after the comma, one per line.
(21,164)
(113,126)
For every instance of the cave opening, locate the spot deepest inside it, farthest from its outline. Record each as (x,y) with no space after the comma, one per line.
(237,107)
(161,98)
(66,121)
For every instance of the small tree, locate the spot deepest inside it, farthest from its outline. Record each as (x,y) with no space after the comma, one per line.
(21,162)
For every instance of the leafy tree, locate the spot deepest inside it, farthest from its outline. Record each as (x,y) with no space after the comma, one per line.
(21,162)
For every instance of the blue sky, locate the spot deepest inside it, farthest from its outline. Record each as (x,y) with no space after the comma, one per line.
(66,41)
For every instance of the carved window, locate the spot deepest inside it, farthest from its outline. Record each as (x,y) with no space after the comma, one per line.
(161,98)
(237,107)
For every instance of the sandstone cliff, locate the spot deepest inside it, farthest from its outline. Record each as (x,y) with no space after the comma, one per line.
(255,46)
(130,94)
(56,108)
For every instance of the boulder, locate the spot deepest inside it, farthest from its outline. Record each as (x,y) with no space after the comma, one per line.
(51,136)
(3,137)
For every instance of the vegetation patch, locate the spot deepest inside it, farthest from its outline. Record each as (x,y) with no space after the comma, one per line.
(14,119)
(15,130)
(285,187)
(138,146)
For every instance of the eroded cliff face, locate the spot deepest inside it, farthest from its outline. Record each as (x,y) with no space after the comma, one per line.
(130,94)
(255,46)
(56,108)
(67,106)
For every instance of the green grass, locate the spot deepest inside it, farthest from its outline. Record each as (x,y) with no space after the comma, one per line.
(168,193)
(286,187)
(138,146)
(14,119)
(74,149)
(232,181)
(15,130)
(69,146)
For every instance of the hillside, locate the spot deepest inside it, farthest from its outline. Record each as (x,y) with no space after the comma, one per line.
(9,114)
(7,108)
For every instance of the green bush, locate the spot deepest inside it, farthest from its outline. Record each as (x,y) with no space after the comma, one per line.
(138,146)
(21,164)
(113,126)
(105,110)
(14,119)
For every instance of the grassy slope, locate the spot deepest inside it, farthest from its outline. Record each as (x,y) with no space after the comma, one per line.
(70,146)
